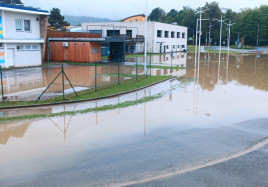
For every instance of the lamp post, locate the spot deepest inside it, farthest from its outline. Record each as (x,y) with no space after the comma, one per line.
(229,35)
(145,41)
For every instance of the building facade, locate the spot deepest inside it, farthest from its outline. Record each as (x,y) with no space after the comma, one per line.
(22,33)
(136,18)
(161,37)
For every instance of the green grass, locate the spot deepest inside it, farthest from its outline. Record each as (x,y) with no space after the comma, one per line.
(97,109)
(120,75)
(159,67)
(244,47)
(91,94)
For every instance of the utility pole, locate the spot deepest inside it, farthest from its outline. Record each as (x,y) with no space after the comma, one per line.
(209,33)
(145,41)
(229,34)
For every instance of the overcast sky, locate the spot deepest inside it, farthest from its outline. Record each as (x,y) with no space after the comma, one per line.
(119,9)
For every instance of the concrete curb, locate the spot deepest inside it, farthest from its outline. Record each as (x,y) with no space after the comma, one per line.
(86,100)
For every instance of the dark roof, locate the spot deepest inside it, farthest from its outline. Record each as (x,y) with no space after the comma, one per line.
(135,16)
(23,8)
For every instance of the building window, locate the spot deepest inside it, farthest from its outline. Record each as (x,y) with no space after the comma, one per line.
(174,46)
(183,35)
(166,34)
(136,19)
(167,47)
(28,47)
(1,45)
(178,46)
(159,34)
(183,46)
(20,47)
(18,24)
(35,47)
(27,25)
(178,34)
(172,34)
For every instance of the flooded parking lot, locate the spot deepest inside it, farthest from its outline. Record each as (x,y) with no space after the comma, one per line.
(210,112)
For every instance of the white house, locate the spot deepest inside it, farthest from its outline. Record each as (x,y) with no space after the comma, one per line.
(22,33)
(161,37)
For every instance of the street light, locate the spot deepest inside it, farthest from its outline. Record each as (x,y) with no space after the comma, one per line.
(196,38)
(229,25)
(145,41)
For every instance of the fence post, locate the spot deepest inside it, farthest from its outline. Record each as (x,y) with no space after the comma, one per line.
(136,68)
(2,83)
(150,65)
(95,76)
(118,72)
(62,81)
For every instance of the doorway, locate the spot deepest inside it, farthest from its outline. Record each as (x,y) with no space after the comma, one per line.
(10,57)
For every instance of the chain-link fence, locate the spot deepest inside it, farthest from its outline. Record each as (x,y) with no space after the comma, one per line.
(41,83)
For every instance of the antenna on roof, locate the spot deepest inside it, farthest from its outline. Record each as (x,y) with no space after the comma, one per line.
(11,2)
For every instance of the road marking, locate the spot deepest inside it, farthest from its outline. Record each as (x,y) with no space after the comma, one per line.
(187,169)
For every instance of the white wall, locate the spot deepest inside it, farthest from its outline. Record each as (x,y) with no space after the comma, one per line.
(10,26)
(25,58)
(153,42)
(167,41)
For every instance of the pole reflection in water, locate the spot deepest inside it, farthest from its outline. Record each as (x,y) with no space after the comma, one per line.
(65,126)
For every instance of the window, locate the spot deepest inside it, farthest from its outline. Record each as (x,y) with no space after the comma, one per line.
(136,19)
(34,47)
(18,24)
(183,46)
(20,47)
(28,47)
(167,46)
(178,46)
(174,46)
(178,34)
(27,25)
(183,35)
(159,34)
(166,34)
(172,34)
(1,45)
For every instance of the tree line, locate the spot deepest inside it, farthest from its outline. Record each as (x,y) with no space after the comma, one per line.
(248,22)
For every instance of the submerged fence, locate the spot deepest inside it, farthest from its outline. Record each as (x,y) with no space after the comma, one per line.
(41,83)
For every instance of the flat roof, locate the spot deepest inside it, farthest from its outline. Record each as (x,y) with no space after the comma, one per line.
(23,9)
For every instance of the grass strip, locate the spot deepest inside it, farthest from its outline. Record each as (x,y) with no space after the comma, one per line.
(120,75)
(103,91)
(97,109)
(160,67)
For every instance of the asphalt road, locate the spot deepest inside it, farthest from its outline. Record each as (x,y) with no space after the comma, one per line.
(162,152)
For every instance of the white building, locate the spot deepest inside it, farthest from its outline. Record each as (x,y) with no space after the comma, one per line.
(161,37)
(22,33)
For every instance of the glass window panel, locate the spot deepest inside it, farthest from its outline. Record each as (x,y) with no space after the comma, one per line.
(18,24)
(27,25)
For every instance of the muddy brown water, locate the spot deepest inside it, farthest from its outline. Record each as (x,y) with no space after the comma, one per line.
(209,97)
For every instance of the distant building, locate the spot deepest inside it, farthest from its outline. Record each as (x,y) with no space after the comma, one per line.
(22,33)
(161,38)
(74,29)
(136,18)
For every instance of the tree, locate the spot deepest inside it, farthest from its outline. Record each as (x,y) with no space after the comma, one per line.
(56,20)
(157,14)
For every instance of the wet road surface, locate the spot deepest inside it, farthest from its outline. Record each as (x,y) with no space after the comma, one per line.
(218,112)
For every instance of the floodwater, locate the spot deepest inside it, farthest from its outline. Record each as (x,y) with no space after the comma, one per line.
(29,83)
(212,111)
